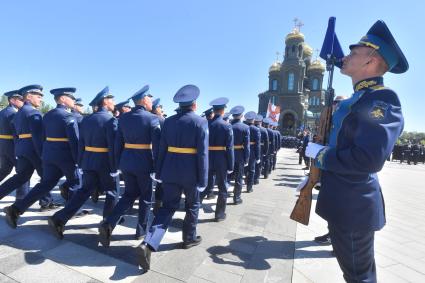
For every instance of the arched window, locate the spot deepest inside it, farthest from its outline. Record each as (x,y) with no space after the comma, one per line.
(315,84)
(291,78)
(274,84)
(293,48)
(286,51)
(300,51)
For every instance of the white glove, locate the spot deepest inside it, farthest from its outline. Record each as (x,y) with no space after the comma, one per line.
(246,164)
(200,189)
(80,171)
(258,161)
(114,174)
(313,149)
(302,184)
(153,178)
(229,171)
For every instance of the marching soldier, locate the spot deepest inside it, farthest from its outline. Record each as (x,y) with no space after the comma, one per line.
(277,143)
(96,160)
(241,146)
(208,114)
(28,127)
(259,167)
(268,163)
(121,108)
(221,156)
(135,152)
(78,111)
(157,110)
(182,167)
(60,149)
(255,149)
(7,136)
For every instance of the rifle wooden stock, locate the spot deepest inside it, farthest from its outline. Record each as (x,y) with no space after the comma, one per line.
(301,211)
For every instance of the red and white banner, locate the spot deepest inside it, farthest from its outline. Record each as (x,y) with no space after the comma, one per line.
(273,112)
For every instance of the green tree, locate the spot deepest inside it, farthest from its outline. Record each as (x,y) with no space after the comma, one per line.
(45,107)
(3,102)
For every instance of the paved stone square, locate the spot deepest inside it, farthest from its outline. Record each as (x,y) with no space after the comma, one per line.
(257,242)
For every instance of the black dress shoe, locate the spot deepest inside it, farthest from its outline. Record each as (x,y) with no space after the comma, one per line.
(144,257)
(64,191)
(221,218)
(56,226)
(105,231)
(193,243)
(12,215)
(324,240)
(95,196)
(50,206)
(237,201)
(249,189)
(256,182)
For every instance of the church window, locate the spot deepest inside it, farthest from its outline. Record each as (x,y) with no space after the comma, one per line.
(293,48)
(315,84)
(291,78)
(274,84)
(300,51)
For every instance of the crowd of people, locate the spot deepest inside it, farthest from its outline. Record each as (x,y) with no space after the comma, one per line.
(158,158)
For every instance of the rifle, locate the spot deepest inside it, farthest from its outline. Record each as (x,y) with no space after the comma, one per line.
(331,51)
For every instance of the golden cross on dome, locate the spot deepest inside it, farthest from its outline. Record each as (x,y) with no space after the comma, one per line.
(316,53)
(277,56)
(298,24)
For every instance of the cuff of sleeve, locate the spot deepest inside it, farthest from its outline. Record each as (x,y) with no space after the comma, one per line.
(319,161)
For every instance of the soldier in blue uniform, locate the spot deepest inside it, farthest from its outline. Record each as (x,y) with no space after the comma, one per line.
(277,143)
(121,108)
(96,160)
(7,137)
(28,144)
(182,167)
(135,152)
(208,114)
(259,167)
(77,111)
(241,146)
(221,156)
(59,157)
(157,110)
(226,117)
(268,161)
(255,149)
(364,130)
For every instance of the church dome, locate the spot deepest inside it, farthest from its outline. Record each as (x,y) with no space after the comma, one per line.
(294,34)
(308,51)
(275,67)
(317,65)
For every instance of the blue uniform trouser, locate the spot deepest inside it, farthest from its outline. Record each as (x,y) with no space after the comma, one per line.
(6,165)
(221,180)
(24,169)
(91,179)
(250,174)
(170,203)
(274,160)
(52,172)
(238,172)
(136,186)
(355,254)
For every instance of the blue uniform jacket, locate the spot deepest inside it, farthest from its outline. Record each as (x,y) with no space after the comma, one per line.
(98,130)
(264,140)
(28,120)
(137,128)
(364,130)
(189,131)
(59,123)
(278,140)
(77,116)
(241,138)
(272,141)
(255,142)
(7,132)
(221,135)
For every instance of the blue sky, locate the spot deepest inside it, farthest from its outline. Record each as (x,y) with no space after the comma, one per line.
(224,47)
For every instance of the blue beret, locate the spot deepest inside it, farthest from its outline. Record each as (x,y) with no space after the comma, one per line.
(104,93)
(380,38)
(186,95)
(13,93)
(68,91)
(226,116)
(237,110)
(144,91)
(31,89)
(258,118)
(156,103)
(123,104)
(250,115)
(219,103)
(79,101)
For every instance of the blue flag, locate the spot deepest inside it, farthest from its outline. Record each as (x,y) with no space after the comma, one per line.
(331,46)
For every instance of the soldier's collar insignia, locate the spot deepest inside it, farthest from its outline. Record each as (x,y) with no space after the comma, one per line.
(369,83)
(379,110)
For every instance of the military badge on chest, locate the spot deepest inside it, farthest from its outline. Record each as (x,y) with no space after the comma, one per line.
(379,110)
